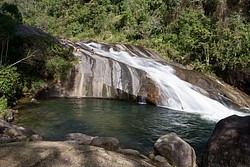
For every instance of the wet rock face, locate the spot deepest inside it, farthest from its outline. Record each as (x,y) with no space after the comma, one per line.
(229,144)
(238,78)
(101,77)
(98,75)
(175,150)
(150,90)
(214,88)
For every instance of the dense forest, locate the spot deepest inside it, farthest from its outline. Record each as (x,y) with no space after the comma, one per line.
(211,36)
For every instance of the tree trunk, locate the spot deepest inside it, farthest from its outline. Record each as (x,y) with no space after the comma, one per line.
(1,60)
(7,48)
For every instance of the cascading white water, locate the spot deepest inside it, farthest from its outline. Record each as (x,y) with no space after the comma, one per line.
(175,93)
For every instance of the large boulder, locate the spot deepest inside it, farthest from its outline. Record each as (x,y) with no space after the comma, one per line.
(175,150)
(229,144)
(64,154)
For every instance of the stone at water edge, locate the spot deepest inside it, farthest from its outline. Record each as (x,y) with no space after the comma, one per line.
(229,144)
(175,150)
(109,143)
(129,152)
(81,138)
(13,132)
(36,137)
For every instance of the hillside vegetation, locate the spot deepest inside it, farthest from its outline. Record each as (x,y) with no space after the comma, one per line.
(29,58)
(211,36)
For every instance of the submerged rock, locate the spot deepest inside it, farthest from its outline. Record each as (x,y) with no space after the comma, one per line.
(176,151)
(63,154)
(229,144)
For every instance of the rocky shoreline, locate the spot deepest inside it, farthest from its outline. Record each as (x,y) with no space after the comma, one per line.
(229,145)
(15,140)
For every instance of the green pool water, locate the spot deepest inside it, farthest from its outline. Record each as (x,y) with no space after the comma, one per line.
(136,126)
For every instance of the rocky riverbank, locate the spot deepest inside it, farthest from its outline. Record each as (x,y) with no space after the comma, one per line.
(60,154)
(228,146)
(21,147)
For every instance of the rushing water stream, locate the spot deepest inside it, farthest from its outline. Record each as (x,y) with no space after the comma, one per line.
(136,126)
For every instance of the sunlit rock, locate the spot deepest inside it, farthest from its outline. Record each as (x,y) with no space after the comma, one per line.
(81,138)
(36,137)
(63,154)
(175,150)
(129,152)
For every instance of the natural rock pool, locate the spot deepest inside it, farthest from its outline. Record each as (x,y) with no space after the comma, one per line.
(136,126)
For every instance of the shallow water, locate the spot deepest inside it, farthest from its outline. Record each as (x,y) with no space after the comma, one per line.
(136,126)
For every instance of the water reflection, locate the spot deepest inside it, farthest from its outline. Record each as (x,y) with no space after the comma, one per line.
(136,126)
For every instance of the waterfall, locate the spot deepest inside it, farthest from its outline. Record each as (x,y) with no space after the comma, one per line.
(175,93)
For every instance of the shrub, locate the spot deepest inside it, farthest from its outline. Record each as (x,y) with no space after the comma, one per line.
(9,82)
(3,106)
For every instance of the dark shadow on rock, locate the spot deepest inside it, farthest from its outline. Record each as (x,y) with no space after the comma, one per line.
(229,144)
(63,154)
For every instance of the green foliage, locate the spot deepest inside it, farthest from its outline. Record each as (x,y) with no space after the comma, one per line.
(232,3)
(191,37)
(59,61)
(9,82)
(12,11)
(232,45)
(3,106)
(58,67)
(36,58)
(37,86)
(205,35)
(197,42)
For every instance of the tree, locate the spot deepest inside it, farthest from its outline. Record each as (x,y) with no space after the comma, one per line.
(10,18)
(12,11)
(7,29)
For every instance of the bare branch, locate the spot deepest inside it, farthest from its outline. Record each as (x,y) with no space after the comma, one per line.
(29,55)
